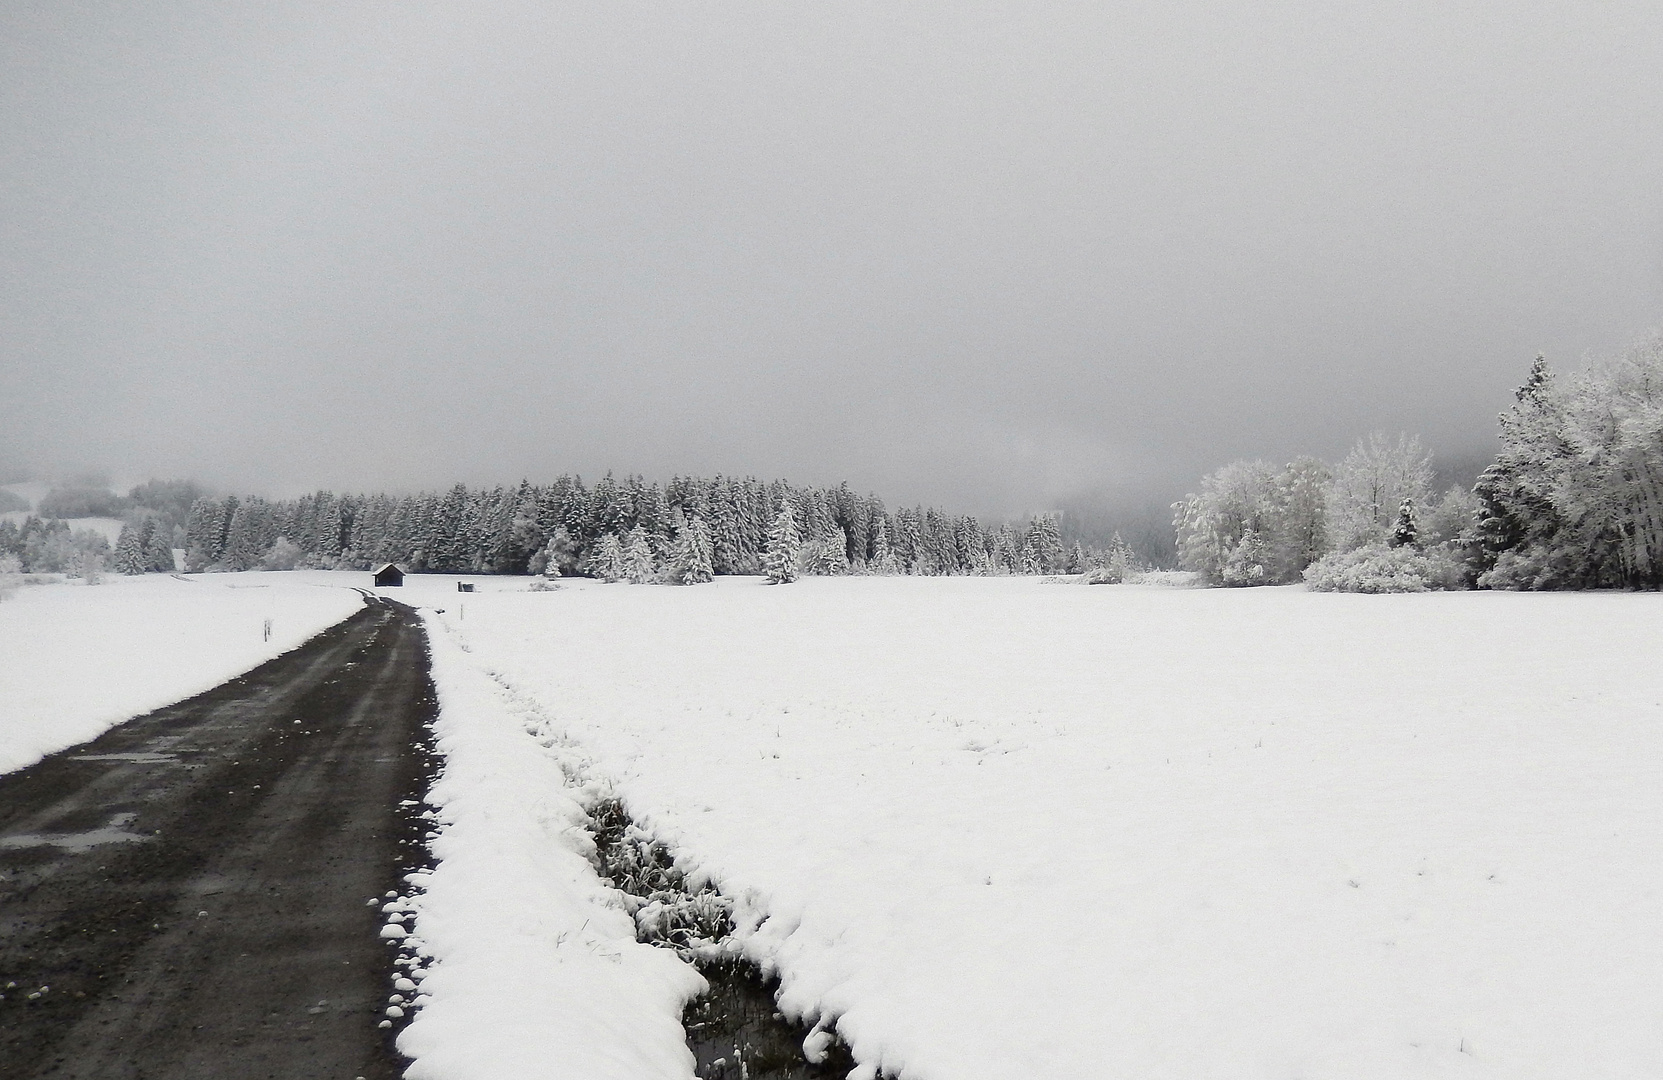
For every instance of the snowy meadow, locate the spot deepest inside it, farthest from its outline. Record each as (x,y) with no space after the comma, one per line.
(76,659)
(995,827)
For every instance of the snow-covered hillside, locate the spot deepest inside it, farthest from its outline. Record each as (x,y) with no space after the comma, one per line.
(75,659)
(1004,828)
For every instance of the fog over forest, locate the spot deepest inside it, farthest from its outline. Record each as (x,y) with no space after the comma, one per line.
(994,257)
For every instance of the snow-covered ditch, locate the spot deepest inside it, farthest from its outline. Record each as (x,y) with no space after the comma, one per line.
(76,659)
(994,828)
(528,964)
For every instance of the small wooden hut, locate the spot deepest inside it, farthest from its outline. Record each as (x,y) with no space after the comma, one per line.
(388,577)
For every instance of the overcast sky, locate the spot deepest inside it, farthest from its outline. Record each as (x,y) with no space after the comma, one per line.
(988,255)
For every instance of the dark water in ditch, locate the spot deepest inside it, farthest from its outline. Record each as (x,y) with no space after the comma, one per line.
(736,1031)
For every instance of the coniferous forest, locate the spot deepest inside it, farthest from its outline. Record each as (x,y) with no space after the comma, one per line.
(618,529)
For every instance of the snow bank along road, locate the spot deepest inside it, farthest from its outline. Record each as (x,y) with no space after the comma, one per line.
(186,895)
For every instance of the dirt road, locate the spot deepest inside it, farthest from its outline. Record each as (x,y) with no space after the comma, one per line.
(187,895)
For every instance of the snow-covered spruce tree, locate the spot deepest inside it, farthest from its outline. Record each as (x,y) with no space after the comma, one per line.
(1047,544)
(701,559)
(882,560)
(640,568)
(1028,560)
(157,544)
(607,560)
(242,542)
(779,558)
(1406,533)
(1006,550)
(829,554)
(1515,493)
(725,527)
(1575,498)
(688,559)
(673,548)
(129,549)
(204,533)
(1113,565)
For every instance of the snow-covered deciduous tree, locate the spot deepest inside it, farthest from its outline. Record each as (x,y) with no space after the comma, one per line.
(559,557)
(1253,524)
(1235,500)
(779,558)
(1372,568)
(1298,520)
(1246,563)
(1370,485)
(282,555)
(1452,518)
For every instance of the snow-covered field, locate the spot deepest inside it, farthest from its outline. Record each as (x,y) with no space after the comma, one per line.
(76,659)
(999,828)
(996,827)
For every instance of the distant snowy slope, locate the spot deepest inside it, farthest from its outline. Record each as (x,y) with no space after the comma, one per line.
(75,659)
(109,527)
(31,492)
(1002,828)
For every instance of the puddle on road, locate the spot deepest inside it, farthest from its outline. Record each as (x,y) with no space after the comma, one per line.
(142,757)
(736,1031)
(115,832)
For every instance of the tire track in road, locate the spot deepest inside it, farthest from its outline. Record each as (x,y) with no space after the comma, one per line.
(187,895)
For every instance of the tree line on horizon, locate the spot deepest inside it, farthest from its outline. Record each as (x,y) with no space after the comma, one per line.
(1573,500)
(627,529)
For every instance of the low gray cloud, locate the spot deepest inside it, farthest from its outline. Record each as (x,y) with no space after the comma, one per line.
(991,255)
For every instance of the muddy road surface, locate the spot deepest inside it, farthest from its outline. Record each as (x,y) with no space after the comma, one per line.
(187,896)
